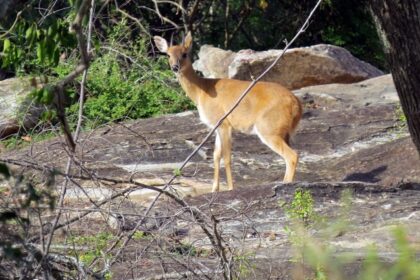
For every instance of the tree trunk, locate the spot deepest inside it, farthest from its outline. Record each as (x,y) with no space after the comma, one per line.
(398,23)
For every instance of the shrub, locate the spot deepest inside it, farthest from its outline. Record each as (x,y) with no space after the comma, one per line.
(118,90)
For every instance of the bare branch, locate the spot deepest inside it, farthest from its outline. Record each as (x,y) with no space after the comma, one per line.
(145,31)
(163,18)
(18,15)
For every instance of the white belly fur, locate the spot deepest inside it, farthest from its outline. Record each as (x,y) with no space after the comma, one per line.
(204,119)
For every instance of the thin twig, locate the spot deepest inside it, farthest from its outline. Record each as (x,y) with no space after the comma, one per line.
(76,26)
(145,31)
(13,25)
(163,18)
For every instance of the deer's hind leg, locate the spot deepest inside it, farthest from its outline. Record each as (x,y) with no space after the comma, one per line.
(278,142)
(217,155)
(226,132)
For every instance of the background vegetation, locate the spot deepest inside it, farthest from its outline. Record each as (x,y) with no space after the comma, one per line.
(130,79)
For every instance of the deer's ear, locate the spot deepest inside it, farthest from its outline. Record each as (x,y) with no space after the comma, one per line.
(188,41)
(161,44)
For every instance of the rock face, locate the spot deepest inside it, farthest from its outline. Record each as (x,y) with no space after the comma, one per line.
(259,225)
(350,138)
(17,110)
(299,67)
(214,62)
(348,132)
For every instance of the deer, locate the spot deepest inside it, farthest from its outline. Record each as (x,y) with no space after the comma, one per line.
(269,110)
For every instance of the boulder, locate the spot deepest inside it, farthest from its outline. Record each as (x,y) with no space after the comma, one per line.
(299,67)
(17,110)
(214,62)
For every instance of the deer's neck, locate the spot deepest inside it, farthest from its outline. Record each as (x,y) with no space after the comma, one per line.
(191,83)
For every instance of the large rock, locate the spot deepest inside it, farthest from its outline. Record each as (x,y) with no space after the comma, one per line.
(299,67)
(17,109)
(214,62)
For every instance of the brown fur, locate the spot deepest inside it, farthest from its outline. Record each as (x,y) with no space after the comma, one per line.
(269,110)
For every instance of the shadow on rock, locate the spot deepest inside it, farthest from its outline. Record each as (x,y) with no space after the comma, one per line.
(367,177)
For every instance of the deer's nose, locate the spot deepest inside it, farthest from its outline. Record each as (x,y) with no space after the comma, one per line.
(175,67)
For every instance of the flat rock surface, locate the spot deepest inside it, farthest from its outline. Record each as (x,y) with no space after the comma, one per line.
(350,138)
(348,133)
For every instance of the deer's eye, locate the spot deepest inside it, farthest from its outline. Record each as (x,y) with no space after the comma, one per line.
(184,55)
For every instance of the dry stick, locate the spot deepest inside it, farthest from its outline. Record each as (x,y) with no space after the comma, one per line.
(165,19)
(133,19)
(18,15)
(76,26)
(85,72)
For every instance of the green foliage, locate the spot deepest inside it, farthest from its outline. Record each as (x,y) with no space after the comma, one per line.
(301,207)
(184,249)
(326,263)
(301,214)
(18,142)
(401,119)
(138,235)
(35,48)
(244,265)
(115,93)
(45,96)
(351,26)
(407,266)
(177,172)
(97,245)
(119,90)
(123,82)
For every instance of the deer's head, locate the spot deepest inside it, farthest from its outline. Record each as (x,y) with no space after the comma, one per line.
(178,54)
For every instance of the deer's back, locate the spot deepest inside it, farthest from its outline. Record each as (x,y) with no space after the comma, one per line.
(265,99)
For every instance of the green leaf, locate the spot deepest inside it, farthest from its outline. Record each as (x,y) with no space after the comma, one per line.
(50,32)
(56,56)
(40,52)
(177,172)
(6,45)
(38,33)
(29,33)
(4,170)
(47,95)
(19,53)
(49,48)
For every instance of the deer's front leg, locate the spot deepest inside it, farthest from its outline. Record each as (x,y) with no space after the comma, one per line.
(216,158)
